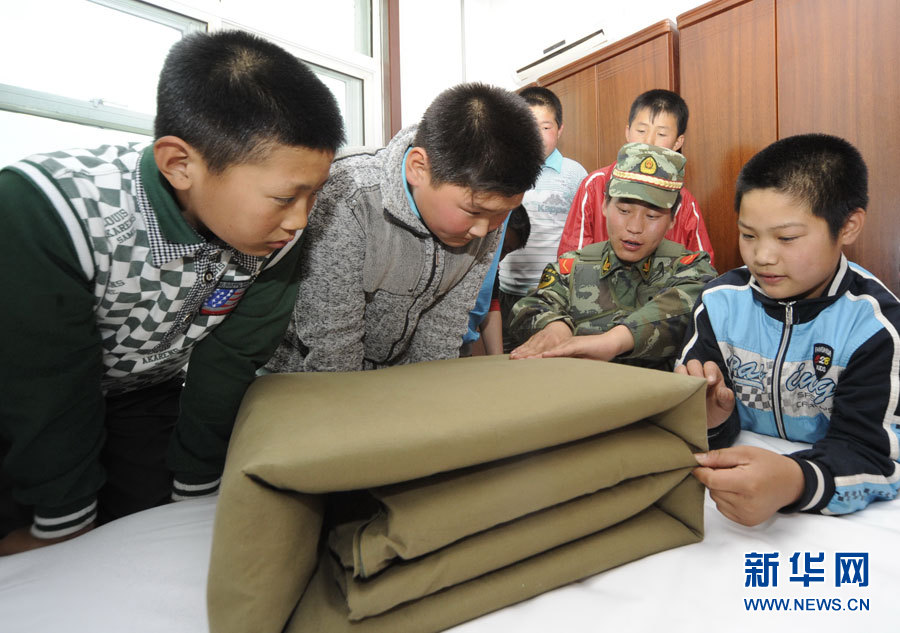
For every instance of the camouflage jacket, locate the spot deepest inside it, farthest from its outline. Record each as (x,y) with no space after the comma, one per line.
(593,291)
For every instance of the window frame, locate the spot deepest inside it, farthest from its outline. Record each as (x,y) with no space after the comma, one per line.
(95,112)
(207,15)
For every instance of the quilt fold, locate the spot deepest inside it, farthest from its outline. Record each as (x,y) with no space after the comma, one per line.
(653,530)
(423,515)
(503,545)
(495,481)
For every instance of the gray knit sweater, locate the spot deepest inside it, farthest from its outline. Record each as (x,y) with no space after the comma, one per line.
(376,287)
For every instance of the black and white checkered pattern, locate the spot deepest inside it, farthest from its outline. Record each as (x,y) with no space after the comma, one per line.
(148,290)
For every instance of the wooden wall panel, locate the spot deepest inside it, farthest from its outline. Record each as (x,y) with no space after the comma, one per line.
(619,80)
(578,94)
(598,91)
(839,73)
(727,59)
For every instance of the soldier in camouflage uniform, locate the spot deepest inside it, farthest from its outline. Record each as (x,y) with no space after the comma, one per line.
(628,298)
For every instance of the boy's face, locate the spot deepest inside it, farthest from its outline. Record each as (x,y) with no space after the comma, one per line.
(789,251)
(257,207)
(455,215)
(550,131)
(661,130)
(635,227)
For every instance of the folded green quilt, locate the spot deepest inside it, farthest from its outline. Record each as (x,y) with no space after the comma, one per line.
(504,545)
(423,515)
(493,481)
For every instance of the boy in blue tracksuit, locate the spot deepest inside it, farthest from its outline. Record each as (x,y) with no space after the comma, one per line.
(800,343)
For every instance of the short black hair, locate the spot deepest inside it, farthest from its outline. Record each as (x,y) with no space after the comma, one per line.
(825,172)
(658,101)
(540,96)
(232,95)
(483,138)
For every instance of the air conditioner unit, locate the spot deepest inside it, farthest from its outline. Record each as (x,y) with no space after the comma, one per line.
(560,53)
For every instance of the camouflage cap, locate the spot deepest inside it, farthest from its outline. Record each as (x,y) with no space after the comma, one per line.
(649,173)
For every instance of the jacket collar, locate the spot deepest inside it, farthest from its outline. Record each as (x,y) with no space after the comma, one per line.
(805,309)
(169,234)
(611,263)
(168,214)
(554,161)
(393,184)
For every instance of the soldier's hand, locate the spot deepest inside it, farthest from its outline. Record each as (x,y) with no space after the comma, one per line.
(719,398)
(548,338)
(606,346)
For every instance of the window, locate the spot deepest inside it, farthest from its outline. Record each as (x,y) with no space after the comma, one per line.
(96,74)
(338,41)
(57,94)
(348,91)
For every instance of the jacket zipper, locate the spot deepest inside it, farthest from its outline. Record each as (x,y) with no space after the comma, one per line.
(776,370)
(434,264)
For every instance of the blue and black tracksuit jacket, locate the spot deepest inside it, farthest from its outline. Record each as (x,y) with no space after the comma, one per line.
(824,371)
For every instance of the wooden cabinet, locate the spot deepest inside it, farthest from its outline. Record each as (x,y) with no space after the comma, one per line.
(596,91)
(839,73)
(753,71)
(728,81)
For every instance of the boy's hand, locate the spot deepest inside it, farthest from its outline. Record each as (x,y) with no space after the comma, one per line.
(604,346)
(21,540)
(749,484)
(554,334)
(719,398)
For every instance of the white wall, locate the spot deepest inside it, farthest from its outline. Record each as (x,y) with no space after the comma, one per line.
(431,53)
(443,42)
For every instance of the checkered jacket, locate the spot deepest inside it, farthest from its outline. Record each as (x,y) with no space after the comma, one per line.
(117,294)
(824,371)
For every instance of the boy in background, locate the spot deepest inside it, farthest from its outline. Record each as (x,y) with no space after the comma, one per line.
(627,299)
(547,205)
(131,261)
(799,343)
(401,238)
(657,117)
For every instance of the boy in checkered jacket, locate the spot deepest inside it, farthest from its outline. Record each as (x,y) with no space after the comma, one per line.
(131,261)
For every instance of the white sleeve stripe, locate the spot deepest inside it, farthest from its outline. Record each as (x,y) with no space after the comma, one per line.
(868,478)
(178,497)
(583,203)
(890,417)
(49,522)
(696,213)
(45,534)
(687,346)
(65,212)
(284,251)
(179,486)
(820,487)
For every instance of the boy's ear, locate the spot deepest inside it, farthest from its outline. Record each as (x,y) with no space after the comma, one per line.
(418,167)
(678,143)
(853,226)
(176,160)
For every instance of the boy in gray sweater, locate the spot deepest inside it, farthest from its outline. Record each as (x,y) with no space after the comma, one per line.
(400,239)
